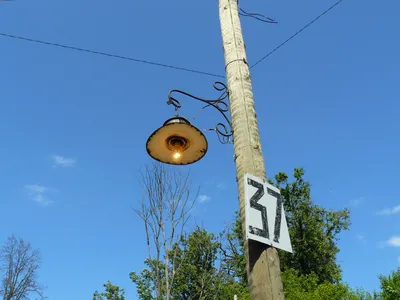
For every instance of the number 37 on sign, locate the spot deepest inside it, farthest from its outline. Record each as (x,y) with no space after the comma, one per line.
(265,216)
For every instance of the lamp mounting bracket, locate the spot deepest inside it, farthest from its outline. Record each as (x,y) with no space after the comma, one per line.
(224,131)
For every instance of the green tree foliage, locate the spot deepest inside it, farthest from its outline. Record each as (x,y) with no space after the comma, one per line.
(307,287)
(112,292)
(390,286)
(198,276)
(233,257)
(145,280)
(201,273)
(313,230)
(314,234)
(215,268)
(361,294)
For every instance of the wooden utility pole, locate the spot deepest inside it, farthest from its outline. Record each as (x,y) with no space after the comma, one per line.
(262,261)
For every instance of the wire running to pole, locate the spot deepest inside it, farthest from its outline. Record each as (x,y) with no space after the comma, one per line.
(256,16)
(165,65)
(297,33)
(110,55)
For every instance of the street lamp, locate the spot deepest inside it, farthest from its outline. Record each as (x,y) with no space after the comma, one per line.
(178,142)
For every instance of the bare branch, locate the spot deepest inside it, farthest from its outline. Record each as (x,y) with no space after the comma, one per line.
(20,264)
(165,213)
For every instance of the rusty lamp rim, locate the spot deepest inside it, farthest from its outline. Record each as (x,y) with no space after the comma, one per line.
(177,135)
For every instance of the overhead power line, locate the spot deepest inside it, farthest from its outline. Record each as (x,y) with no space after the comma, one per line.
(298,32)
(110,55)
(161,64)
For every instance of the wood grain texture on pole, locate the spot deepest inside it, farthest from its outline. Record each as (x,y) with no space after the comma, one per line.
(263,267)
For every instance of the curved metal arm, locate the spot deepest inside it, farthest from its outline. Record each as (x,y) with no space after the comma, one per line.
(224,132)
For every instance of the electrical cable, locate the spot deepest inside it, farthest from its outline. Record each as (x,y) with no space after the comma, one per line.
(256,16)
(110,55)
(172,66)
(298,32)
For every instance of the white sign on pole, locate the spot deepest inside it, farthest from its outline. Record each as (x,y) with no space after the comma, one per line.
(265,216)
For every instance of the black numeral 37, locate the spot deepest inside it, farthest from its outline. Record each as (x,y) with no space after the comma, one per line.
(264,232)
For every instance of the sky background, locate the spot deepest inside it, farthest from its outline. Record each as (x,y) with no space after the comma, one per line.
(73,125)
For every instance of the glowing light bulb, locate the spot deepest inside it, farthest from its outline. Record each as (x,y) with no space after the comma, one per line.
(177,155)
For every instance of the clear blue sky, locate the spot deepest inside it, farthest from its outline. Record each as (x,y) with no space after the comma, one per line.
(327,101)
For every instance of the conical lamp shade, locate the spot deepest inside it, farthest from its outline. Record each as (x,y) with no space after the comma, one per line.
(177,142)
